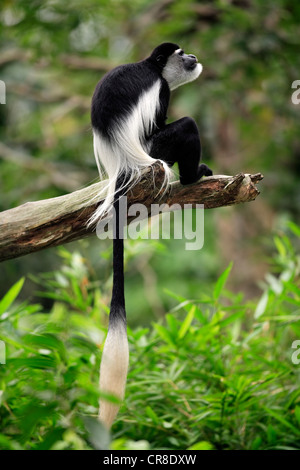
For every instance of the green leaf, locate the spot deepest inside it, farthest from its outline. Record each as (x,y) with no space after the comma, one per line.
(256,443)
(152,414)
(172,323)
(294,228)
(271,435)
(297,414)
(275,284)
(283,421)
(262,305)
(221,282)
(187,322)
(36,362)
(53,436)
(46,341)
(8,444)
(280,246)
(164,334)
(201,445)
(109,397)
(98,435)
(293,288)
(10,296)
(231,318)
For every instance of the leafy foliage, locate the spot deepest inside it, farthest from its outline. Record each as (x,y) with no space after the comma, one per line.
(54,53)
(216,374)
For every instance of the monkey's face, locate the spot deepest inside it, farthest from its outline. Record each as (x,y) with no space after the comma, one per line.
(181,68)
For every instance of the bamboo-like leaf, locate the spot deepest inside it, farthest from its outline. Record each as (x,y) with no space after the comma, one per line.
(11,295)
(202,445)
(262,305)
(294,228)
(221,282)
(187,322)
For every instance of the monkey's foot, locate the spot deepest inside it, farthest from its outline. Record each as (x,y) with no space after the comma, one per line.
(203,170)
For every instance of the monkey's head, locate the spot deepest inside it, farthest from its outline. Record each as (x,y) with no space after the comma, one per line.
(176,67)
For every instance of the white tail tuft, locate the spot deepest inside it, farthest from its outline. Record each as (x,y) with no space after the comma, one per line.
(113,370)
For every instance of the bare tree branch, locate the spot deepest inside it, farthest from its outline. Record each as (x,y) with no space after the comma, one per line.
(52,222)
(13,55)
(56,171)
(90,63)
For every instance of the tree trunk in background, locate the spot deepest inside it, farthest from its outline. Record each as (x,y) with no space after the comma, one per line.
(238,230)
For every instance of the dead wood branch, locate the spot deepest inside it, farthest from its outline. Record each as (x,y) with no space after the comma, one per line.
(36,225)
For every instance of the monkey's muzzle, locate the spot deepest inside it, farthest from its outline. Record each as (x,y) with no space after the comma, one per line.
(190,61)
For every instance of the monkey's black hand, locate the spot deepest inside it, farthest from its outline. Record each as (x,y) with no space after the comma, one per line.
(203,170)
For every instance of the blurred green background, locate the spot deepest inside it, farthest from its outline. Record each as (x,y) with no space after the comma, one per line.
(217,370)
(52,55)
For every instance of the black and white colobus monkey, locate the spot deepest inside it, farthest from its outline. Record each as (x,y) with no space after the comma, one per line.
(129,112)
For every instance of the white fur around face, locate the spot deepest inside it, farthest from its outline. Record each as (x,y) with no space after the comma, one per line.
(176,75)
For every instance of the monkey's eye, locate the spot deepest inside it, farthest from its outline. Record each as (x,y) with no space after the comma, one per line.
(181,52)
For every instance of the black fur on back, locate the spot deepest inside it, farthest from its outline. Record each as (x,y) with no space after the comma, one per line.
(120,89)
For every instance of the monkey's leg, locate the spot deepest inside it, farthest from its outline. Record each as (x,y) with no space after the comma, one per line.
(180,142)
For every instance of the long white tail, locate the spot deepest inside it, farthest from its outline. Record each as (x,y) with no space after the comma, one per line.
(121,156)
(115,356)
(113,370)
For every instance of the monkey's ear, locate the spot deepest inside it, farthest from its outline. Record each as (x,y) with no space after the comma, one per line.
(160,59)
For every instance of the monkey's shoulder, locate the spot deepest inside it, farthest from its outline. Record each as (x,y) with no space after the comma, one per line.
(127,82)
(120,90)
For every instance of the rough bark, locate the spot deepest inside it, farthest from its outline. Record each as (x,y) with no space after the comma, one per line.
(36,225)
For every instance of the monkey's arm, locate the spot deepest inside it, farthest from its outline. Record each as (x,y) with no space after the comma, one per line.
(41,224)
